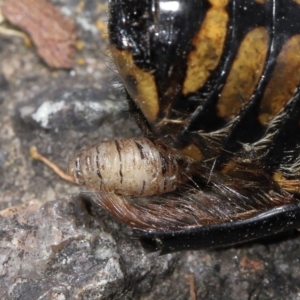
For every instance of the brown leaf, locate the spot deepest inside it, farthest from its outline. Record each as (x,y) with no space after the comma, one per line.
(53,34)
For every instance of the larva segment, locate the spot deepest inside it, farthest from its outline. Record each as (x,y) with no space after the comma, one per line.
(135,167)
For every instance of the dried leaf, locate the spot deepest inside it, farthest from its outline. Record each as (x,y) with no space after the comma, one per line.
(53,34)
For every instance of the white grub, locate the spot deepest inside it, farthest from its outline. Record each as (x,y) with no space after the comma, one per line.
(135,167)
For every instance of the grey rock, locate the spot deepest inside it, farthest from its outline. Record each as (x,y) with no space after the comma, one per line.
(59,251)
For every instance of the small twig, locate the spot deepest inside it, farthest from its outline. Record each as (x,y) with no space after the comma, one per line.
(51,32)
(36,155)
(192,287)
(13,32)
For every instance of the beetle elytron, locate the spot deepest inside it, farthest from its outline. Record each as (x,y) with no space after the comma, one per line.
(214,85)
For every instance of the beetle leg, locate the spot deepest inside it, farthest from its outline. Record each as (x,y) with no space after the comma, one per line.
(264,224)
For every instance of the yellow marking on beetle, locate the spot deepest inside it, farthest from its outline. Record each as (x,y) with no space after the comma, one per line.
(297,1)
(193,152)
(284,80)
(245,73)
(219,3)
(229,168)
(208,46)
(290,185)
(261,1)
(140,84)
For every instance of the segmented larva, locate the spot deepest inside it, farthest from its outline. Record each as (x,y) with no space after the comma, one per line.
(136,167)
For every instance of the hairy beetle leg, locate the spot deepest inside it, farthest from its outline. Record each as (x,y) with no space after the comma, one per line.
(34,154)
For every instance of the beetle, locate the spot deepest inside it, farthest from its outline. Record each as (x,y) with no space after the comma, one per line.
(214,86)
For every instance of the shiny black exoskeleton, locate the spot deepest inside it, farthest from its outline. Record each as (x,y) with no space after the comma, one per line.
(218,81)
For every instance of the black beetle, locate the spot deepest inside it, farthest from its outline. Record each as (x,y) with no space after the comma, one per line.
(215,83)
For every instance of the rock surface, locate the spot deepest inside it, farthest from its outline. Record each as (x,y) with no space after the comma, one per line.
(59,251)
(67,248)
